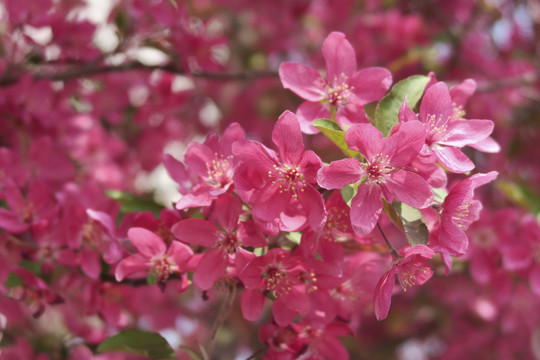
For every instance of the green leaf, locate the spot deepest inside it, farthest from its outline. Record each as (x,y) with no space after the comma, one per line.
(348,192)
(386,113)
(138,342)
(295,237)
(151,278)
(521,195)
(132,203)
(332,131)
(415,229)
(13,280)
(439,195)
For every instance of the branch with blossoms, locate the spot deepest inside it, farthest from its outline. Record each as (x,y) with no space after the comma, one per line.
(293,235)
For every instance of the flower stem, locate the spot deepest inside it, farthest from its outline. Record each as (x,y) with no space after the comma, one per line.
(393,251)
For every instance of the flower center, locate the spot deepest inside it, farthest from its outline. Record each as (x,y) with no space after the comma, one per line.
(339,94)
(378,168)
(277,282)
(220,170)
(288,179)
(437,129)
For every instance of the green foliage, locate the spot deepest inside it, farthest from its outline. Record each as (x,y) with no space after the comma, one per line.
(332,130)
(409,220)
(138,342)
(386,113)
(131,203)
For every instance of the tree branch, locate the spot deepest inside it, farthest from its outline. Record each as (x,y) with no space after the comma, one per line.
(86,71)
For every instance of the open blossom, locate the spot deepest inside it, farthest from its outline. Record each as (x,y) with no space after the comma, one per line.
(154,257)
(273,184)
(225,238)
(344,91)
(384,172)
(458,211)
(411,268)
(445,135)
(212,162)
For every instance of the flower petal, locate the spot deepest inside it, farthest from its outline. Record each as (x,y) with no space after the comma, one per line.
(288,138)
(340,58)
(130,265)
(340,173)
(465,132)
(366,139)
(146,242)
(383,294)
(366,207)
(436,102)
(252,302)
(370,84)
(304,81)
(453,159)
(196,231)
(212,266)
(308,112)
(410,188)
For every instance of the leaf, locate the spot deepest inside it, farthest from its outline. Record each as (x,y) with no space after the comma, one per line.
(521,195)
(294,237)
(440,194)
(348,192)
(139,342)
(393,215)
(415,229)
(132,203)
(332,131)
(386,113)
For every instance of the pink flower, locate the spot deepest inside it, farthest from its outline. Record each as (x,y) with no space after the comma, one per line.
(384,172)
(272,184)
(212,162)
(344,91)
(276,273)
(411,268)
(458,211)
(154,256)
(444,135)
(225,238)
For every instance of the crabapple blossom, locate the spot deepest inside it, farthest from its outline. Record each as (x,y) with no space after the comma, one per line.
(343,93)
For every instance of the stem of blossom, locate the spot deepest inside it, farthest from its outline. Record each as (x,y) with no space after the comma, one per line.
(393,251)
(223,314)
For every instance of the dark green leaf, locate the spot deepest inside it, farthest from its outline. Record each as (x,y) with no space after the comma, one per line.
(348,192)
(386,113)
(143,343)
(415,229)
(332,130)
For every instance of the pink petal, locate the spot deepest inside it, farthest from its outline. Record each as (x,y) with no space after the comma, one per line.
(350,115)
(270,202)
(259,157)
(282,314)
(212,266)
(487,145)
(366,207)
(366,139)
(405,144)
(196,231)
(462,92)
(288,138)
(250,235)
(304,81)
(232,133)
(453,159)
(90,263)
(313,203)
(309,165)
(340,58)
(410,188)
(146,242)
(227,210)
(132,264)
(405,112)
(534,279)
(177,171)
(308,112)
(198,196)
(482,179)
(383,294)
(198,157)
(181,254)
(451,237)
(370,84)
(252,302)
(11,222)
(436,102)
(104,219)
(340,173)
(465,132)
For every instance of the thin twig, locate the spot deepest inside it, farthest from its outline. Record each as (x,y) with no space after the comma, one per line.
(222,316)
(86,71)
(393,251)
